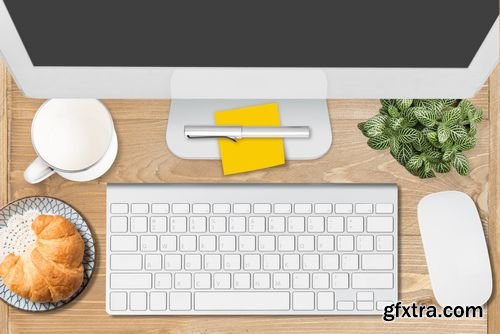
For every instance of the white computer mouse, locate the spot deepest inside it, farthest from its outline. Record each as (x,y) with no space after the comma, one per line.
(455,249)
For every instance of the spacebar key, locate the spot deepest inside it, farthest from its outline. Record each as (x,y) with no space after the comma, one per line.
(242,301)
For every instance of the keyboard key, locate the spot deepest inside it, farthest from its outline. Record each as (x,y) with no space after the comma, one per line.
(377,262)
(163,281)
(355,224)
(281,281)
(364,243)
(365,306)
(379,224)
(217,224)
(364,208)
(140,208)
(138,301)
(345,305)
(173,262)
(212,262)
(168,243)
(118,301)
(384,208)
(232,262)
(160,208)
(126,243)
(138,224)
(197,224)
(343,208)
(340,281)
(291,261)
(130,281)
(201,208)
(192,262)
(302,208)
(385,243)
(282,208)
(182,281)
(202,281)
(119,208)
(364,295)
(266,243)
(261,281)
(276,224)
(262,208)
(241,208)
(148,243)
(305,243)
(326,301)
(157,301)
(241,281)
(350,262)
(330,261)
(345,243)
(300,281)
(178,224)
(237,224)
(325,208)
(227,243)
(180,208)
(158,224)
(326,243)
(271,262)
(335,224)
(315,224)
(126,262)
(180,301)
(242,301)
(246,243)
(222,281)
(372,281)
(221,208)
(251,262)
(320,281)
(153,261)
(207,243)
(187,243)
(310,262)
(303,301)
(118,224)
(296,224)
(286,243)
(256,224)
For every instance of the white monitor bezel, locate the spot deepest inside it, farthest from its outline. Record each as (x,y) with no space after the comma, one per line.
(164,82)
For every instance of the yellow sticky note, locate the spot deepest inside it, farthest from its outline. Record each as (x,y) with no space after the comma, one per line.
(248,154)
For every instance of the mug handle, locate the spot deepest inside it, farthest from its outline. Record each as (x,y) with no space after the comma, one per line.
(37,171)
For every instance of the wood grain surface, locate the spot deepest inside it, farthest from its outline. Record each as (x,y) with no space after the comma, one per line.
(494,201)
(144,157)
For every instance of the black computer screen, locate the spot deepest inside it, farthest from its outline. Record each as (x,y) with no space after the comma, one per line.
(253,33)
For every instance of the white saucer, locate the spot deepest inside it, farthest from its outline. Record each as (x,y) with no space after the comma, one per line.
(100,168)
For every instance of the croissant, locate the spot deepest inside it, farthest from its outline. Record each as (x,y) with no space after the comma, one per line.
(52,269)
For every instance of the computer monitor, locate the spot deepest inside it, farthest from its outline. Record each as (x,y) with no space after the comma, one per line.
(223,53)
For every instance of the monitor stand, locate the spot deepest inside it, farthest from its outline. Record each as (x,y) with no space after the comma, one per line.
(311,111)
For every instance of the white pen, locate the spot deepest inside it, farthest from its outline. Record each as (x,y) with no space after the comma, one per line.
(238,132)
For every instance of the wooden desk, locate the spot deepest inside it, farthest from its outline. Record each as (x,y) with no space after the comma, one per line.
(144,157)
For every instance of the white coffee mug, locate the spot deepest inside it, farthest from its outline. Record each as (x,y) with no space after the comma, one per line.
(74,138)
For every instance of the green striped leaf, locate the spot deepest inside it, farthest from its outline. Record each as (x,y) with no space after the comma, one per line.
(380,142)
(425,116)
(375,126)
(409,116)
(408,135)
(403,104)
(396,123)
(443,132)
(466,143)
(457,132)
(442,167)
(461,164)
(414,163)
(404,153)
(452,116)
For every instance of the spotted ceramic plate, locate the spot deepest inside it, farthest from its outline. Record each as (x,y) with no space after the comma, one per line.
(56,207)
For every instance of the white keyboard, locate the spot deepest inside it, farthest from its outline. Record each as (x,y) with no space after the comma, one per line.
(251,249)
